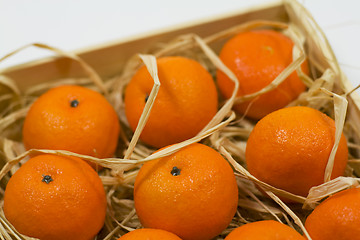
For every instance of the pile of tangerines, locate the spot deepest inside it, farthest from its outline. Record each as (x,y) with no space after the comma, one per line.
(191,194)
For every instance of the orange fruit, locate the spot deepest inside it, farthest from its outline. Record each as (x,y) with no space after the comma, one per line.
(257,58)
(186,102)
(149,234)
(192,193)
(53,197)
(289,149)
(338,217)
(264,230)
(72,118)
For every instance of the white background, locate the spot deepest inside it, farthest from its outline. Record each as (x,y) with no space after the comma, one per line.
(75,24)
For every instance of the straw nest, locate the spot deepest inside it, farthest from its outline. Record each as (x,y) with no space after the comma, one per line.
(328,91)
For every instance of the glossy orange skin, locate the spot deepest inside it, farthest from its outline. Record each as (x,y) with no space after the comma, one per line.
(71,206)
(264,230)
(338,217)
(149,234)
(186,102)
(290,147)
(197,204)
(92,128)
(257,58)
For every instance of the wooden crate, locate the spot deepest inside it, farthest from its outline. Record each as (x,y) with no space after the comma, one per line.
(108,60)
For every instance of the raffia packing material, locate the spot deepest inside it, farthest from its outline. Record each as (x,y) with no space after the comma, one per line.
(108,68)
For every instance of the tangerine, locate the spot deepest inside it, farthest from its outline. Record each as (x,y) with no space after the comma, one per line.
(186,102)
(72,118)
(192,193)
(264,230)
(149,234)
(54,197)
(338,217)
(257,58)
(289,149)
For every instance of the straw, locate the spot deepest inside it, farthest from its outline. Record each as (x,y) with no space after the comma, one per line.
(227,132)
(87,69)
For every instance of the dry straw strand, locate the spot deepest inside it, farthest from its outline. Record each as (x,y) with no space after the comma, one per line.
(277,81)
(273,211)
(13,117)
(7,230)
(175,147)
(244,173)
(290,212)
(247,26)
(340,108)
(150,63)
(324,190)
(10,84)
(88,70)
(220,65)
